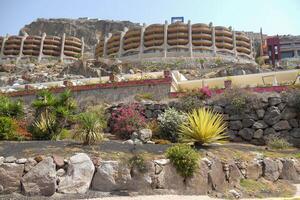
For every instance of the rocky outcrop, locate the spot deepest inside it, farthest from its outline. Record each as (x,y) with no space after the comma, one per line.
(10,175)
(90,29)
(41,179)
(79,175)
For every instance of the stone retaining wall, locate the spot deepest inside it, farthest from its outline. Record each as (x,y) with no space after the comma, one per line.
(45,176)
(272,114)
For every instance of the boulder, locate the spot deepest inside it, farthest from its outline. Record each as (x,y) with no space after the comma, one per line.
(273,101)
(254,170)
(235,125)
(282,125)
(79,175)
(260,113)
(198,183)
(1,159)
(290,169)
(41,179)
(10,159)
(295,132)
(145,135)
(288,113)
(258,134)
(110,176)
(21,161)
(271,169)
(246,133)
(260,125)
(168,178)
(235,174)
(272,116)
(29,164)
(269,131)
(216,176)
(247,123)
(294,123)
(58,160)
(10,176)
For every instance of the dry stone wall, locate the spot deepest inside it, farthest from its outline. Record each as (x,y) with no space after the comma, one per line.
(45,176)
(272,115)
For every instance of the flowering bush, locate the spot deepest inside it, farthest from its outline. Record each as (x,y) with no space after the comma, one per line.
(169,123)
(127,119)
(206,91)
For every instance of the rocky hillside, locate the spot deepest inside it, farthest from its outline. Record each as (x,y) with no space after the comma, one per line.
(90,29)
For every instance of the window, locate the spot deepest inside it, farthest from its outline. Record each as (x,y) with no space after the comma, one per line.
(287,54)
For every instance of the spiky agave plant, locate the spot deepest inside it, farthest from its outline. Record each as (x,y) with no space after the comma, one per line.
(203,126)
(90,129)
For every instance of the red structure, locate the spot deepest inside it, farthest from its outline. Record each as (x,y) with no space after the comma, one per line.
(273,45)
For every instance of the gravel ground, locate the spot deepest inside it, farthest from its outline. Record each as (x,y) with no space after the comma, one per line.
(30,148)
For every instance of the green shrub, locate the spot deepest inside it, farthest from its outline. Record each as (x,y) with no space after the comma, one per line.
(7,129)
(239,103)
(184,158)
(203,126)
(169,123)
(51,114)
(11,108)
(138,162)
(90,128)
(191,100)
(275,142)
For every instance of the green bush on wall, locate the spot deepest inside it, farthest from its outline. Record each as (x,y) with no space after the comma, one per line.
(184,158)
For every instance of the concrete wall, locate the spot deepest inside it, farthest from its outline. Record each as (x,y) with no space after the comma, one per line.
(109,92)
(252,80)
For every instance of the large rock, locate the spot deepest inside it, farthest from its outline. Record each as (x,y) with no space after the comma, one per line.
(260,113)
(290,169)
(254,170)
(10,176)
(271,169)
(272,116)
(235,174)
(295,133)
(273,101)
(198,183)
(41,179)
(166,176)
(282,125)
(145,135)
(260,125)
(258,134)
(90,29)
(216,176)
(288,113)
(246,133)
(110,176)
(247,123)
(79,175)
(235,125)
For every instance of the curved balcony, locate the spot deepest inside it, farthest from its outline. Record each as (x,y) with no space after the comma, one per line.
(113,44)
(154,36)
(178,34)
(32,45)
(52,46)
(12,46)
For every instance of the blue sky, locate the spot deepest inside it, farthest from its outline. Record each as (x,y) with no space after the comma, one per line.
(274,16)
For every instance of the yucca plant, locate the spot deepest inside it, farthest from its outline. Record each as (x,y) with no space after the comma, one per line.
(90,128)
(203,126)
